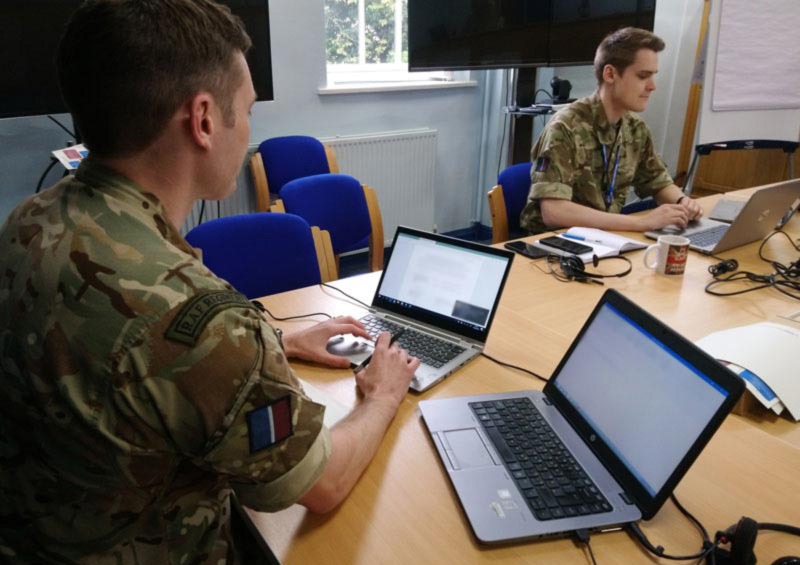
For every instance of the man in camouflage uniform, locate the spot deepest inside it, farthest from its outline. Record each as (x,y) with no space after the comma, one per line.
(592,152)
(139,391)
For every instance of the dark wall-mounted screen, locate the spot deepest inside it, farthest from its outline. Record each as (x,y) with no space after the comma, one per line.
(29,34)
(491,34)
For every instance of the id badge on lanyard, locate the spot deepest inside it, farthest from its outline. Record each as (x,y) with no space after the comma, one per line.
(610,185)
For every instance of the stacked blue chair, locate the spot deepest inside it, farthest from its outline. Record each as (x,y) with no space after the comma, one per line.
(259,254)
(340,205)
(507,199)
(283,159)
(639,205)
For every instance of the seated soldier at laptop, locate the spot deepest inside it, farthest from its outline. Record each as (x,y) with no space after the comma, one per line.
(592,152)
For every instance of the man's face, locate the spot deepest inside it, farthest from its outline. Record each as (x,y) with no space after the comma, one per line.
(631,90)
(234,137)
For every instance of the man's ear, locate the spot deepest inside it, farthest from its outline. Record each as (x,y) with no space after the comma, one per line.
(610,73)
(201,120)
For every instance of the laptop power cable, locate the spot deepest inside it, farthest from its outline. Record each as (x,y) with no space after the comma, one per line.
(582,536)
(264,309)
(708,547)
(783,278)
(510,366)
(339,290)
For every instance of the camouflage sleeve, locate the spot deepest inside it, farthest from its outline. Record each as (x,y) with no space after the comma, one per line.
(217,384)
(553,167)
(651,173)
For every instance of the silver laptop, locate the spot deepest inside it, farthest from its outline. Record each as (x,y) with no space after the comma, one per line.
(627,411)
(443,293)
(726,210)
(764,210)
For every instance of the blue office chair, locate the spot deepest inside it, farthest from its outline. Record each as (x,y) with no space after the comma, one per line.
(263,253)
(282,159)
(340,205)
(507,199)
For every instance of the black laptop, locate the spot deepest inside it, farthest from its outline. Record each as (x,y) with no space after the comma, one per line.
(624,416)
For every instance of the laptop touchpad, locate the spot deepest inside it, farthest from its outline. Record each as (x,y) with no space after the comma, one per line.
(467,449)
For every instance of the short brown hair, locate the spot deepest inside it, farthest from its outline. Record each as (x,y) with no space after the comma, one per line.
(126,66)
(619,49)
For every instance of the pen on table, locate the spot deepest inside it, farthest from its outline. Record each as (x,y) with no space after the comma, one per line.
(580,238)
(366,361)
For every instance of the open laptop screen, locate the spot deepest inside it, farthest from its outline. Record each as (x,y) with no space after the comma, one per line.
(449,283)
(643,395)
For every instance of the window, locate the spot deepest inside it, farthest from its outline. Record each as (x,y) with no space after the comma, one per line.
(367,42)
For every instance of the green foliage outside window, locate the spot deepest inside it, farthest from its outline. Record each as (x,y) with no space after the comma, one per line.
(341,29)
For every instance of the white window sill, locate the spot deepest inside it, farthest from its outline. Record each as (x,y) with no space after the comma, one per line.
(366,87)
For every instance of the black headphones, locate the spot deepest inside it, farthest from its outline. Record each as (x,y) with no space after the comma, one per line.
(724,266)
(573,269)
(742,539)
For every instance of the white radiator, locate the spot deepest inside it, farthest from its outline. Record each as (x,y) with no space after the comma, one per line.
(400,166)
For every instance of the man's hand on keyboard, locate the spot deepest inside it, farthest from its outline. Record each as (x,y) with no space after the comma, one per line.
(310,344)
(665,215)
(694,209)
(388,374)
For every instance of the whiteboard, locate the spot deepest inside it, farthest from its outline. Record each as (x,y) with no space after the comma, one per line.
(751,85)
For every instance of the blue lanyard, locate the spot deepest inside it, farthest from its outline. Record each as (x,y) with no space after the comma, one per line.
(610,189)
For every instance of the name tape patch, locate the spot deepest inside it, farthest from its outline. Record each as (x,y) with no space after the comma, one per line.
(269,424)
(195,315)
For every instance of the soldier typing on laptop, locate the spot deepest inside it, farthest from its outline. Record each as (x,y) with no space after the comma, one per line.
(140,391)
(592,152)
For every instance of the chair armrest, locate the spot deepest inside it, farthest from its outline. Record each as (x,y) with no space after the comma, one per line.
(327,262)
(497,209)
(259,182)
(333,164)
(376,234)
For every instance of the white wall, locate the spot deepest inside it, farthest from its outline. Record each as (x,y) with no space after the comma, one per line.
(678,24)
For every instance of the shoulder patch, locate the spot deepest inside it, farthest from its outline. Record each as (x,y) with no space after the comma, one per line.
(269,424)
(542,164)
(194,316)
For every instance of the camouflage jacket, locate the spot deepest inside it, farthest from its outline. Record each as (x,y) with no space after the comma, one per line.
(568,161)
(138,389)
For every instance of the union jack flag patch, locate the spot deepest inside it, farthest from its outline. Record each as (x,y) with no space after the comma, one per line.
(269,424)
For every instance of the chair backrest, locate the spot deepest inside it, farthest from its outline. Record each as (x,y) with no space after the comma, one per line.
(639,205)
(340,205)
(507,199)
(281,159)
(261,253)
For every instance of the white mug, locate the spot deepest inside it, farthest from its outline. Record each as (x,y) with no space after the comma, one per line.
(671,253)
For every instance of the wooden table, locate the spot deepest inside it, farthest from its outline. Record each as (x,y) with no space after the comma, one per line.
(403,509)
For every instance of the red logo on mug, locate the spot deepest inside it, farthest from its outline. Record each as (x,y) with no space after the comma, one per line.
(676,260)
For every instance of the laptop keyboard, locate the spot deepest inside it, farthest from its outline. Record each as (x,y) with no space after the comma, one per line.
(553,483)
(427,348)
(709,237)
